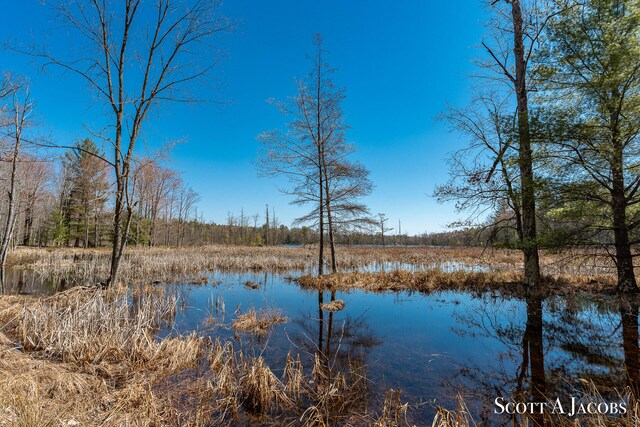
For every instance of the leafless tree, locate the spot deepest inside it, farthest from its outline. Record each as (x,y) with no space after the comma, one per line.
(382,219)
(484,175)
(34,178)
(516,28)
(137,55)
(16,119)
(313,154)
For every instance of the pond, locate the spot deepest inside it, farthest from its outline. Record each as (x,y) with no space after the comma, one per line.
(432,347)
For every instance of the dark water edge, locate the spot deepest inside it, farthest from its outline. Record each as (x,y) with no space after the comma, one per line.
(431,347)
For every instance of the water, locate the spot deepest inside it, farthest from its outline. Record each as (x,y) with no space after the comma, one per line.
(432,347)
(26,282)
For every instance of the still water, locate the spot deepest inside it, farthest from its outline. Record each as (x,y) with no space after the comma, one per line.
(431,347)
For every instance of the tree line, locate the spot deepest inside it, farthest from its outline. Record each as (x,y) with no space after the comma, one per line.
(68,201)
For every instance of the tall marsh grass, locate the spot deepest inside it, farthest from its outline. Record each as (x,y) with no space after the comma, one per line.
(146,265)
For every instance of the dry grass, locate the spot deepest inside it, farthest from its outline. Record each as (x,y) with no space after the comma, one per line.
(394,412)
(257,322)
(507,282)
(148,265)
(333,306)
(89,357)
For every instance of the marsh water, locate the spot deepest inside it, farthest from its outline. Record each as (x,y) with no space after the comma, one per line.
(430,346)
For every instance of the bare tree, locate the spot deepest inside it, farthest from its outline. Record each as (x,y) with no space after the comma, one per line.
(16,119)
(187,198)
(382,219)
(313,153)
(484,175)
(34,179)
(138,55)
(516,27)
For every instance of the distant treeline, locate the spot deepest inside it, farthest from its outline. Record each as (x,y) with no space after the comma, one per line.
(68,201)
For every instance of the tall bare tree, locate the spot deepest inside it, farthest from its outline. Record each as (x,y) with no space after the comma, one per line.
(515,28)
(137,55)
(16,119)
(511,58)
(313,153)
(382,220)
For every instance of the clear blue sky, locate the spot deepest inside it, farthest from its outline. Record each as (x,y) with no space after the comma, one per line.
(400,61)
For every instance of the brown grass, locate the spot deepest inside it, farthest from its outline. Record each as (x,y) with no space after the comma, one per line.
(89,357)
(507,282)
(333,306)
(257,322)
(147,265)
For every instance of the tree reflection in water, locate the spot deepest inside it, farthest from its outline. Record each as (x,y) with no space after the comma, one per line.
(549,349)
(338,346)
(629,321)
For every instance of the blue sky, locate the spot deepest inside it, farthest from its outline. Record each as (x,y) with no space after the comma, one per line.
(401,62)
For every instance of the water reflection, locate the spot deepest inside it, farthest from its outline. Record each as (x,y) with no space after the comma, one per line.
(533,355)
(338,354)
(629,321)
(550,349)
(340,338)
(27,282)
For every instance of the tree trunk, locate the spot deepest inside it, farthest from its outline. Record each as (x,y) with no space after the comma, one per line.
(332,244)
(321,227)
(96,238)
(623,257)
(86,225)
(534,338)
(13,197)
(629,320)
(28,224)
(525,156)
(117,234)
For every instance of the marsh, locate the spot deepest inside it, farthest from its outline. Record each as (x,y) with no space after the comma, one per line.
(432,345)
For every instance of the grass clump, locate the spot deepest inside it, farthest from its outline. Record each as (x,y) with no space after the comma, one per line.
(333,306)
(257,322)
(507,282)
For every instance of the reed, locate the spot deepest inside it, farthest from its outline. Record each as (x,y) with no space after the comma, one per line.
(507,282)
(90,357)
(191,264)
